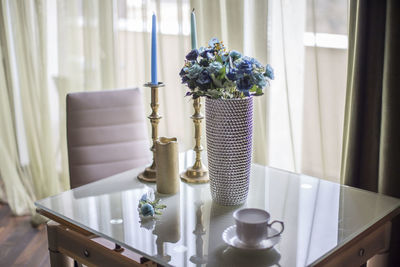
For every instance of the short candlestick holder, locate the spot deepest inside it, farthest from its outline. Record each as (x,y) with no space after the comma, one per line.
(149,174)
(197,173)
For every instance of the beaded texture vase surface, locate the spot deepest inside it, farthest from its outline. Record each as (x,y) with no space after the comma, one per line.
(229,130)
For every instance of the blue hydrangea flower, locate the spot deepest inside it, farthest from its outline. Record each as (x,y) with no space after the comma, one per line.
(213,41)
(244,84)
(204,62)
(259,79)
(147,210)
(269,72)
(245,66)
(225,57)
(192,55)
(209,53)
(235,55)
(254,61)
(215,67)
(194,71)
(232,74)
(204,78)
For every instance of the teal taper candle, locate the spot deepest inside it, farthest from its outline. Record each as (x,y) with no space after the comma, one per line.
(193,32)
(154,51)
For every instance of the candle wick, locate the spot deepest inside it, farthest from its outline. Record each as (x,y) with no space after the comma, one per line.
(193,10)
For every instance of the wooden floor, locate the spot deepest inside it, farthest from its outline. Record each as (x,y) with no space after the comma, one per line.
(20,243)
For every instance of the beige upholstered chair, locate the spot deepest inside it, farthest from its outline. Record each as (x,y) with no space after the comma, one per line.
(106,134)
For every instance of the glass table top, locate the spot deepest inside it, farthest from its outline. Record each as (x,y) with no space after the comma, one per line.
(319,216)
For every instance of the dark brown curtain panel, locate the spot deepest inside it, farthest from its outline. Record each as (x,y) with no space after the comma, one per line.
(371,139)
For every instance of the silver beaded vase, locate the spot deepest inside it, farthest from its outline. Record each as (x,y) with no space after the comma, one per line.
(229,130)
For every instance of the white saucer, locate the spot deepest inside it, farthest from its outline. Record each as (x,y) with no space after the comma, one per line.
(230,238)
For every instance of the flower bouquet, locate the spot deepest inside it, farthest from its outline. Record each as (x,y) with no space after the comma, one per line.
(215,72)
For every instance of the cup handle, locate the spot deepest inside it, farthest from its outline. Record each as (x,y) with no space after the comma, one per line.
(282,226)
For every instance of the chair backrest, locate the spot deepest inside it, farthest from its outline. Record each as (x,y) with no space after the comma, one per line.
(106,134)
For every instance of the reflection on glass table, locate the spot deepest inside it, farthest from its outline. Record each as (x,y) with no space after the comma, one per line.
(320,218)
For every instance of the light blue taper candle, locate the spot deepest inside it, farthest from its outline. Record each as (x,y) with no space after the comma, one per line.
(193,32)
(154,50)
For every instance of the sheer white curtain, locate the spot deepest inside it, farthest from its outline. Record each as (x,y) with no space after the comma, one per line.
(19,197)
(307,102)
(325,63)
(28,166)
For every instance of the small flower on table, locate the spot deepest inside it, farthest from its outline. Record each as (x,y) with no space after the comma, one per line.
(148,207)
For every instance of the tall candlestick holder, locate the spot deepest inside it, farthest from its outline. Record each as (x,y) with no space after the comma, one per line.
(197,173)
(149,174)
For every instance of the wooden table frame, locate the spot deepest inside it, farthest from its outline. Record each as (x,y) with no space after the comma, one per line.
(374,241)
(68,242)
(67,239)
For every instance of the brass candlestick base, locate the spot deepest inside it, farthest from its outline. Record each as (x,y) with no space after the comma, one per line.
(149,174)
(197,173)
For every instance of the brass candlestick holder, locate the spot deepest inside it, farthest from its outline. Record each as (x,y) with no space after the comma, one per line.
(197,173)
(149,174)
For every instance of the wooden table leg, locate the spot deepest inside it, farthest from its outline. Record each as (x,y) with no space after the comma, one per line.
(381,259)
(394,255)
(56,257)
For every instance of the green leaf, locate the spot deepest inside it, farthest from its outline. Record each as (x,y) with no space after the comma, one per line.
(254,88)
(218,58)
(221,73)
(216,81)
(259,91)
(155,202)
(214,93)
(160,206)
(157,212)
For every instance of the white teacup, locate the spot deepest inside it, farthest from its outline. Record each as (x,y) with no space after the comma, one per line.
(252,225)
